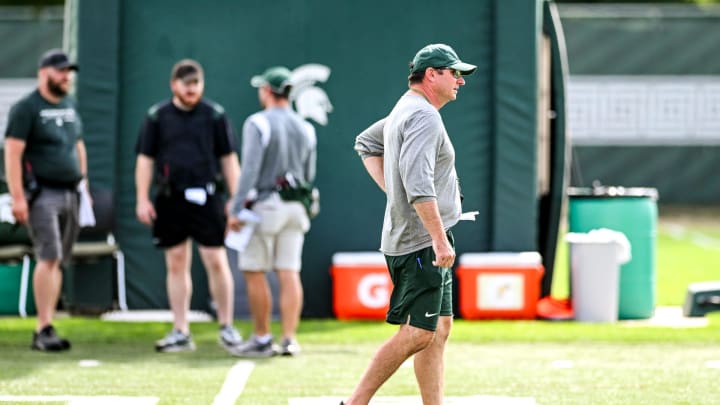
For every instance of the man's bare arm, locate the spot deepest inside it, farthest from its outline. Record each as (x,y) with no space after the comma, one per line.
(231,172)
(375,167)
(14,149)
(144,208)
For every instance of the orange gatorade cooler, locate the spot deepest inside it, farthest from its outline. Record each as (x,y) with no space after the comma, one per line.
(499,285)
(361,285)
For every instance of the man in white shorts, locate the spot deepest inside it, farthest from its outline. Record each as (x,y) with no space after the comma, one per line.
(278,159)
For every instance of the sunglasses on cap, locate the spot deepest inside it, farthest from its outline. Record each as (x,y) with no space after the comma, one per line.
(455,73)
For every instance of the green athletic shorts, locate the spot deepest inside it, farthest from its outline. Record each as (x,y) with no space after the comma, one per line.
(421,291)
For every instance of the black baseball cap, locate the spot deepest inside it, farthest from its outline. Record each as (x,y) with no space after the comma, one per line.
(57,59)
(187,70)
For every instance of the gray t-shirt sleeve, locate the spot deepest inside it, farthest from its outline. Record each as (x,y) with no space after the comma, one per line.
(423,136)
(370,141)
(251,161)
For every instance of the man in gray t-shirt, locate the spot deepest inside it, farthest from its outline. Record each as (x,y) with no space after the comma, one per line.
(278,160)
(411,157)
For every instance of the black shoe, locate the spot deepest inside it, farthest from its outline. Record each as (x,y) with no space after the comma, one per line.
(48,341)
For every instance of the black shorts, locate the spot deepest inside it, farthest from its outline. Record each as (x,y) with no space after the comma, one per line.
(178,219)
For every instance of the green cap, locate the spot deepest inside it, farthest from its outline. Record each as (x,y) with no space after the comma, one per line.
(277,77)
(439,56)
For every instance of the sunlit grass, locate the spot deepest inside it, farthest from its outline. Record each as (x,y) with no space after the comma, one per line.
(610,363)
(553,362)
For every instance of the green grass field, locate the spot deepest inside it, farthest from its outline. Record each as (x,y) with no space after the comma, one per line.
(552,362)
(611,364)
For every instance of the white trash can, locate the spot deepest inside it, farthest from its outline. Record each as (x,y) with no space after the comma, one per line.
(595,259)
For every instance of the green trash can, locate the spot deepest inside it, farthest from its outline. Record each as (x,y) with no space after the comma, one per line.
(16,287)
(632,211)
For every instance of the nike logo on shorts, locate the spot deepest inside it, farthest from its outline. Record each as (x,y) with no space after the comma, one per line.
(428,315)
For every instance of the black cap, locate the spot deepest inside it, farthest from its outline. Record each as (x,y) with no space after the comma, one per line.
(57,59)
(187,70)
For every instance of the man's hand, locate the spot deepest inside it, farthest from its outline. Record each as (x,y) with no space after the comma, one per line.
(444,253)
(430,217)
(234,224)
(375,166)
(145,212)
(20,209)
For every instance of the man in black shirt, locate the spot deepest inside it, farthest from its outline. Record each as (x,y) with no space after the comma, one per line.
(187,142)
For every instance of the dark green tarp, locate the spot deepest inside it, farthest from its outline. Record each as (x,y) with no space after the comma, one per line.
(127,49)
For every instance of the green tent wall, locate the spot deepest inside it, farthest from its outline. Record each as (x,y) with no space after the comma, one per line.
(126,50)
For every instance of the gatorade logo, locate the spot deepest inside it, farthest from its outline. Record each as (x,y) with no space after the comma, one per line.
(373,290)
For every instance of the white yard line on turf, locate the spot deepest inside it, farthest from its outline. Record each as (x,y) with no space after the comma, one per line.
(471,400)
(712,364)
(229,393)
(234,383)
(81,400)
(562,364)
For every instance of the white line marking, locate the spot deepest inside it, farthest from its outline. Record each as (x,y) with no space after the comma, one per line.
(88,363)
(416,400)
(562,364)
(81,400)
(669,317)
(113,401)
(234,383)
(712,364)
